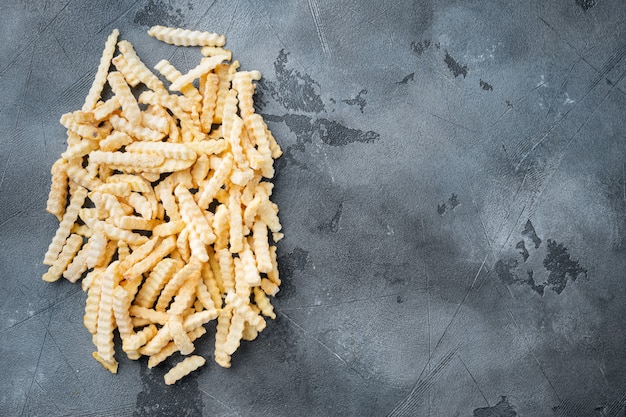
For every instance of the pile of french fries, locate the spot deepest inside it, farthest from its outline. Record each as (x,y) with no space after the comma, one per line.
(163,198)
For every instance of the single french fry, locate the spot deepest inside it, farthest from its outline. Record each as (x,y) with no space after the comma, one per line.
(183,368)
(103,68)
(185,37)
(58,189)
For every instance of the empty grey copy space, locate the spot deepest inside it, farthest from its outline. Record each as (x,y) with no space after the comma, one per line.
(452,192)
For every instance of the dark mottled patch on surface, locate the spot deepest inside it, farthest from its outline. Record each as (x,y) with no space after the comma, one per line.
(486,86)
(560,266)
(283,340)
(295,260)
(586,4)
(333,225)
(330,132)
(181,400)
(453,201)
(406,79)
(420,47)
(156,12)
(441,209)
(504,270)
(521,247)
(454,67)
(538,288)
(529,230)
(358,100)
(503,409)
(293,90)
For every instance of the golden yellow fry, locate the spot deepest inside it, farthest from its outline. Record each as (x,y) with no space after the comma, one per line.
(235,223)
(103,68)
(171,348)
(169,228)
(69,218)
(78,265)
(156,281)
(58,189)
(70,249)
(172,74)
(222,330)
(115,233)
(214,50)
(90,319)
(140,253)
(186,295)
(223,73)
(104,331)
(185,37)
(123,66)
(135,130)
(80,149)
(82,177)
(85,130)
(135,342)
(174,284)
(207,193)
(147,263)
(227,269)
(135,182)
(137,223)
(156,122)
(119,189)
(130,108)
(242,82)
(153,316)
(138,67)
(135,159)
(182,244)
(208,147)
(192,215)
(140,204)
(261,300)
(183,368)
(209,100)
(167,150)
(115,141)
(121,305)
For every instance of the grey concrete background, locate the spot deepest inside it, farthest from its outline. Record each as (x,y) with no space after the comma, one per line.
(453,195)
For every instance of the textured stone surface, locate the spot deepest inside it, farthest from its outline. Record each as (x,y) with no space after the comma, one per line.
(453,195)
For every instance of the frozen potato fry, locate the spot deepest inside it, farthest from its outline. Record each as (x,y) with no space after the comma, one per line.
(163,205)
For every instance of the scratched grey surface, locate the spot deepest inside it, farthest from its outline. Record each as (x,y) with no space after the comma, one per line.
(453,195)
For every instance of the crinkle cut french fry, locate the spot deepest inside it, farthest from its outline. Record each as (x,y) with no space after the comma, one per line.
(101,74)
(130,108)
(184,368)
(121,305)
(171,348)
(186,37)
(147,263)
(58,189)
(192,215)
(222,330)
(209,100)
(104,332)
(167,150)
(69,218)
(70,249)
(174,284)
(153,316)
